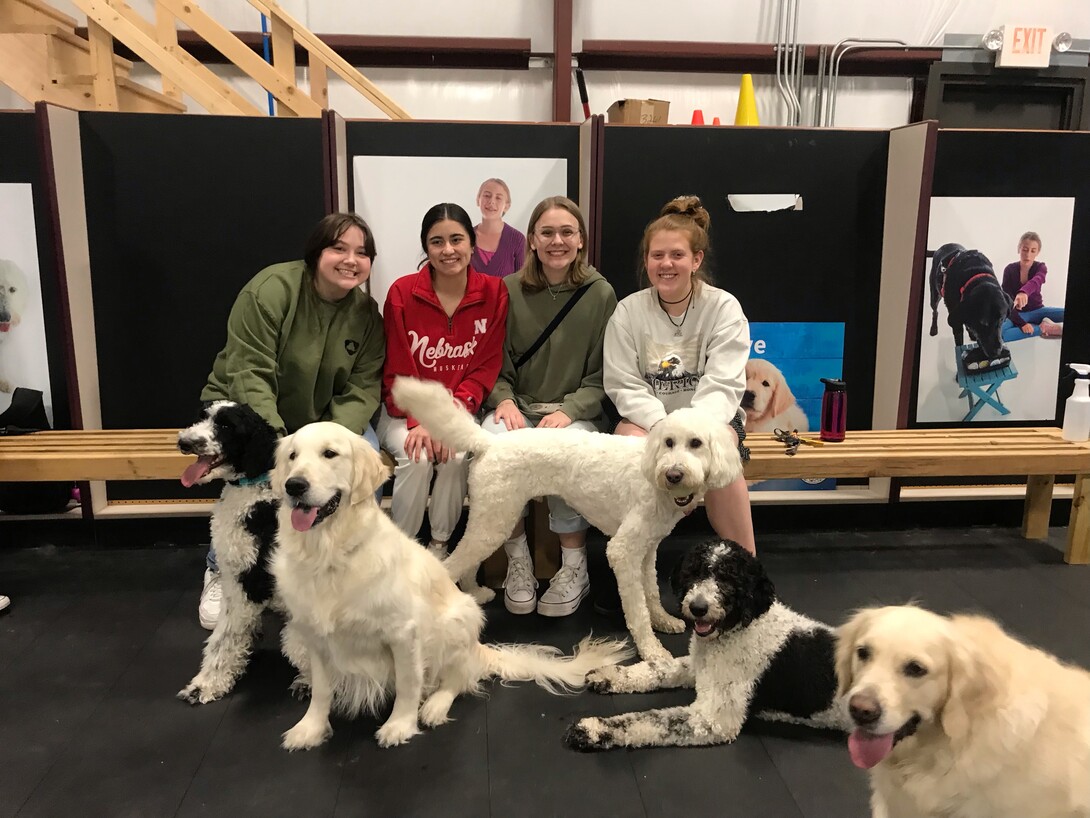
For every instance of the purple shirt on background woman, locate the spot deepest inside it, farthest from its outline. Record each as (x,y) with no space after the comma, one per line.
(507,258)
(1012,285)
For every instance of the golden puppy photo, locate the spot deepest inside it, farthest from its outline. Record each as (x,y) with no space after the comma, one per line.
(953,717)
(768,400)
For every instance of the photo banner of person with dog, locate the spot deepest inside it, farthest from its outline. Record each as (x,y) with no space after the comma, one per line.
(23,357)
(787,361)
(993,309)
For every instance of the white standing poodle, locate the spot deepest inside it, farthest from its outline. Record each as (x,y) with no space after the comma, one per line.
(632,489)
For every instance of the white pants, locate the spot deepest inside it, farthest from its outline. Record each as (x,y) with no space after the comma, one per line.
(563,519)
(412,483)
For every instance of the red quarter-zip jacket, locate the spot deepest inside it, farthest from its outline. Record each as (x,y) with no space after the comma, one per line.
(463,352)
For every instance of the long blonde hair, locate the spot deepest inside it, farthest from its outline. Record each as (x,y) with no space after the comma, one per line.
(532,274)
(687,215)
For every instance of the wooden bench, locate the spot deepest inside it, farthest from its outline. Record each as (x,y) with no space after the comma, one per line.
(1038,453)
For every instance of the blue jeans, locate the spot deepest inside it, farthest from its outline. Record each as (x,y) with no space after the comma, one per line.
(368,435)
(1033,318)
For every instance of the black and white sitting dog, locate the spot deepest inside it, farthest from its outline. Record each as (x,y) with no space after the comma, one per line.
(965,281)
(233,443)
(750,655)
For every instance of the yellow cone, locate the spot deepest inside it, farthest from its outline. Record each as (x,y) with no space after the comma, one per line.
(747,103)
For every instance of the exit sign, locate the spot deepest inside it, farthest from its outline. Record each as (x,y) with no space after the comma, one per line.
(1025,47)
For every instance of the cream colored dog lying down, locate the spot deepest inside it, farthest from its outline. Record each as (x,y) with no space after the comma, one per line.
(372,612)
(954,718)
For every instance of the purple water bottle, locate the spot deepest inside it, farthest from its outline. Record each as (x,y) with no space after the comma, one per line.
(834,410)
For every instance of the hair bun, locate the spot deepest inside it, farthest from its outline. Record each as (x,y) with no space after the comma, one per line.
(690,206)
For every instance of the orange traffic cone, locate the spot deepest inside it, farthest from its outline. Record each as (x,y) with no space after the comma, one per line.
(747,103)
(715,121)
(698,117)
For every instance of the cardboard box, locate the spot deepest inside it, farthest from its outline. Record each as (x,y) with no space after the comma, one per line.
(639,112)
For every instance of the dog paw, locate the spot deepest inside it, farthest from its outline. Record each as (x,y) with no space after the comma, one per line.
(5,386)
(300,688)
(588,736)
(196,693)
(307,734)
(482,596)
(604,679)
(435,711)
(664,623)
(393,732)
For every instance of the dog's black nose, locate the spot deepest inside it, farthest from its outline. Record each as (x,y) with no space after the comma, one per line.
(296,486)
(190,445)
(865,710)
(699,606)
(747,398)
(674,476)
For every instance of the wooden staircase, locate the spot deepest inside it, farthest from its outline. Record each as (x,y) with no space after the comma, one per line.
(42,58)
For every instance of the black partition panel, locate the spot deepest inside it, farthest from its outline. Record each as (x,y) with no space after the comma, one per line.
(1018,164)
(181,212)
(821,263)
(21,163)
(482,139)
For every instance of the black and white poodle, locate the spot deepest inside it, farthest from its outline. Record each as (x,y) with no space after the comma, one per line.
(233,443)
(749,655)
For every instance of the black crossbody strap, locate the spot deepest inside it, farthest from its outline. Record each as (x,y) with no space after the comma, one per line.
(541,339)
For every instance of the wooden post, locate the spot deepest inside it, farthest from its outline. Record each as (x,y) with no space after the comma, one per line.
(103,79)
(166,34)
(319,79)
(1038,506)
(1078,530)
(283,56)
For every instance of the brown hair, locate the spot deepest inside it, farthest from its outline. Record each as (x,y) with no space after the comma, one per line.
(1029,235)
(328,231)
(687,215)
(532,275)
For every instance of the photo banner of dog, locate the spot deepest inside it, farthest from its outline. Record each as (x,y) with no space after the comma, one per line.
(23,357)
(995,290)
(787,361)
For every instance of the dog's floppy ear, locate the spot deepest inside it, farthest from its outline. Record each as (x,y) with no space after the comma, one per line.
(973,687)
(726,464)
(846,637)
(782,397)
(369,470)
(652,447)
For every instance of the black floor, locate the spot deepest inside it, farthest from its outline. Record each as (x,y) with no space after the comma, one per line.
(98,640)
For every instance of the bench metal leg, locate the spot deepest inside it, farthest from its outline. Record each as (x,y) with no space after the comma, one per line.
(1038,506)
(1078,530)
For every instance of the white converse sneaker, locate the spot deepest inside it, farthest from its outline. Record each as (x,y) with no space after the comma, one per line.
(211,600)
(566,590)
(520,587)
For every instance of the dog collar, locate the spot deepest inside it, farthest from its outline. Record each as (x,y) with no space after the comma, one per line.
(261,479)
(965,286)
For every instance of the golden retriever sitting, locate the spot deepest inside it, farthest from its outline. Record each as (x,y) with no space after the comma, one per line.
(768,400)
(954,718)
(373,612)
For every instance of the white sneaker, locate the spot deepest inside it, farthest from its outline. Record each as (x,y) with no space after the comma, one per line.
(520,587)
(211,600)
(438,549)
(4,602)
(566,590)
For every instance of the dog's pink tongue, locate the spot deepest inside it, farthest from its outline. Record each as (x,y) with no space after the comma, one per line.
(303,518)
(867,750)
(195,471)
(5,326)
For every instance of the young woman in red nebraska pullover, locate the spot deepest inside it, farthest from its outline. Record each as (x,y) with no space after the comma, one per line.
(445,323)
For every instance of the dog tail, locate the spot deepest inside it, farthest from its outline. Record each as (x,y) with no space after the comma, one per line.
(431,404)
(548,667)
